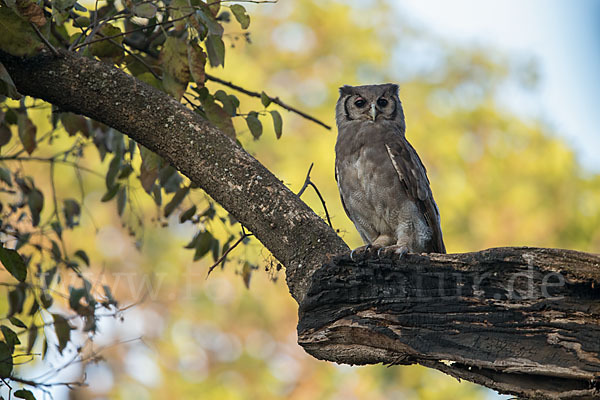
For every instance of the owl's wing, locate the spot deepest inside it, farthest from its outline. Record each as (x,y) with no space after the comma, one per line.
(340,190)
(413,176)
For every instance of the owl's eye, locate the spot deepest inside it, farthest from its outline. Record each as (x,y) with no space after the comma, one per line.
(360,103)
(382,102)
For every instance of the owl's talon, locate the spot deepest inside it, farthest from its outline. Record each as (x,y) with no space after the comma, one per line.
(379,252)
(401,252)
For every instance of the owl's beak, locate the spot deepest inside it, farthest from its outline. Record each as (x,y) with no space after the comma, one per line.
(373,112)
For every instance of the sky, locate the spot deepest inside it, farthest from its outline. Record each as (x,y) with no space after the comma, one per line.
(562,36)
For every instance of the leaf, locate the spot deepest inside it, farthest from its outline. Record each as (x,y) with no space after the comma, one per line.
(10,337)
(145,10)
(6,361)
(24,394)
(83,256)
(63,331)
(149,168)
(241,15)
(72,211)
(176,70)
(113,171)
(229,102)
(216,50)
(208,20)
(27,131)
(176,200)
(74,123)
(16,299)
(30,11)
(35,200)
(13,262)
(203,245)
(32,334)
(265,99)
(218,116)
(18,37)
(5,176)
(277,123)
(178,9)
(121,200)
(247,274)
(106,50)
(5,134)
(188,214)
(17,322)
(197,63)
(110,194)
(254,124)
(7,86)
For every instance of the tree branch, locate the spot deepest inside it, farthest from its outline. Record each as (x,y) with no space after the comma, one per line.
(524,321)
(294,234)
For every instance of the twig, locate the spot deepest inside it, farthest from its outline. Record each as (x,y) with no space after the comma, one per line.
(222,258)
(308,182)
(273,99)
(43,39)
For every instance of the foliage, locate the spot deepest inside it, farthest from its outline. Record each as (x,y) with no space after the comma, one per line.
(69,184)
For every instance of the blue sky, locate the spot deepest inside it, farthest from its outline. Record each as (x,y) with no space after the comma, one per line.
(563,37)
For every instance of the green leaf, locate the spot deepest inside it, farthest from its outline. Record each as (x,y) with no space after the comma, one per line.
(24,394)
(7,86)
(149,168)
(110,194)
(121,200)
(113,170)
(229,102)
(176,70)
(5,134)
(35,200)
(176,200)
(72,211)
(241,15)
(17,322)
(208,20)
(265,99)
(145,10)
(247,274)
(277,123)
(197,63)
(188,214)
(178,9)
(27,132)
(32,334)
(63,331)
(203,245)
(13,262)
(106,50)
(6,361)
(74,123)
(218,116)
(83,256)
(10,337)
(18,37)
(254,124)
(216,50)
(16,299)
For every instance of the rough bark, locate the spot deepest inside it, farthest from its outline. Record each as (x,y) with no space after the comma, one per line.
(463,314)
(524,321)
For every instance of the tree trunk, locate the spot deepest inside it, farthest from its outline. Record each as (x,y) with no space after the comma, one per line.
(522,321)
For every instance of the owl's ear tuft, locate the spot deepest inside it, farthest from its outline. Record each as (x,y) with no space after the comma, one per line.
(392,89)
(346,90)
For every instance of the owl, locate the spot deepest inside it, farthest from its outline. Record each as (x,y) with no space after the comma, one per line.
(382,181)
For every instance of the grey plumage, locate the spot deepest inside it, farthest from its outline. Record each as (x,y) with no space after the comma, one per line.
(382,181)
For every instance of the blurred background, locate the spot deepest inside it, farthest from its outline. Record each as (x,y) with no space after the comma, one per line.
(501,101)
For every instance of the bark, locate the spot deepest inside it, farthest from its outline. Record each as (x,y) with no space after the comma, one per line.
(524,321)
(469,315)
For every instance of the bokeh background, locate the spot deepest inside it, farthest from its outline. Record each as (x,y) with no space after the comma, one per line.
(501,101)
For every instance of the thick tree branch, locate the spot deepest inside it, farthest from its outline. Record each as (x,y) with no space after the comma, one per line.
(293,233)
(524,321)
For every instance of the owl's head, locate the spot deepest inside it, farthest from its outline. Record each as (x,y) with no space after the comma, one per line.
(372,103)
